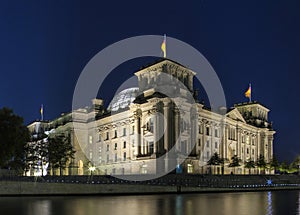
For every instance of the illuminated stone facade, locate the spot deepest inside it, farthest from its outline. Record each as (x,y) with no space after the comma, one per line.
(141,125)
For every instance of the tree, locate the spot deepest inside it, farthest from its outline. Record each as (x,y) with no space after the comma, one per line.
(284,167)
(294,166)
(37,153)
(215,160)
(60,151)
(13,137)
(249,165)
(274,164)
(261,163)
(235,162)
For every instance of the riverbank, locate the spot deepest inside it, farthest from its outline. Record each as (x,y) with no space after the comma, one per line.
(8,188)
(108,185)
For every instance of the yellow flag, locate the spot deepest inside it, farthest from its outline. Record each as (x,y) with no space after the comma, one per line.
(248,92)
(164,47)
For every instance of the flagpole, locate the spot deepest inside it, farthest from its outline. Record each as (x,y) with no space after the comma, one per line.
(250,97)
(165,38)
(42,112)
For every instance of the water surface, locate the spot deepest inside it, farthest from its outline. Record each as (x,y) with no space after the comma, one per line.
(254,203)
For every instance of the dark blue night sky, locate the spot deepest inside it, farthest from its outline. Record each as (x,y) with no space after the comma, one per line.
(45,46)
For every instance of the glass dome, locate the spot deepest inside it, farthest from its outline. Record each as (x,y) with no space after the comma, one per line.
(123,99)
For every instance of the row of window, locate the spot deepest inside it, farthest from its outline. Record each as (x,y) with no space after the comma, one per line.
(247,151)
(116,157)
(231,134)
(115,134)
(208,143)
(122,170)
(107,156)
(116,146)
(208,131)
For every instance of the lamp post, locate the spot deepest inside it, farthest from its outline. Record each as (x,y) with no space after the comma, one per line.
(92,169)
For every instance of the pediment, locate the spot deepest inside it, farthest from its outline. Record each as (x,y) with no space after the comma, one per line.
(235,115)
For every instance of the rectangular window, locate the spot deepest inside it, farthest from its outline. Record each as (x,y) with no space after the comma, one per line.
(252,151)
(107,136)
(247,150)
(207,143)
(132,129)
(124,144)
(91,154)
(216,144)
(207,131)
(151,148)
(107,147)
(124,156)
(116,157)
(99,137)
(207,155)
(116,134)
(199,142)
(124,131)
(116,146)
(107,158)
(216,132)
(151,125)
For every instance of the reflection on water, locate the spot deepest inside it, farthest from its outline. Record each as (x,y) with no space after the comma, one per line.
(269,207)
(254,203)
(298,203)
(39,207)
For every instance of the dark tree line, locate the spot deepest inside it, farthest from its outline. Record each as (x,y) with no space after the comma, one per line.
(14,136)
(60,151)
(20,151)
(55,151)
(261,163)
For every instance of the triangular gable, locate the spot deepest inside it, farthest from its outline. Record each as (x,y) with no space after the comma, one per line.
(235,115)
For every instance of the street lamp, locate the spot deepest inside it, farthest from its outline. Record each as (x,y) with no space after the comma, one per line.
(92,169)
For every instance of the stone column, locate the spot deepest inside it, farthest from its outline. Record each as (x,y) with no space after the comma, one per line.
(155,133)
(193,131)
(137,128)
(238,141)
(258,146)
(271,146)
(227,141)
(166,124)
(176,135)
(262,145)
(166,136)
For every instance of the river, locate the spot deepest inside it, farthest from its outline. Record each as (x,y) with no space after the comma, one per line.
(240,203)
